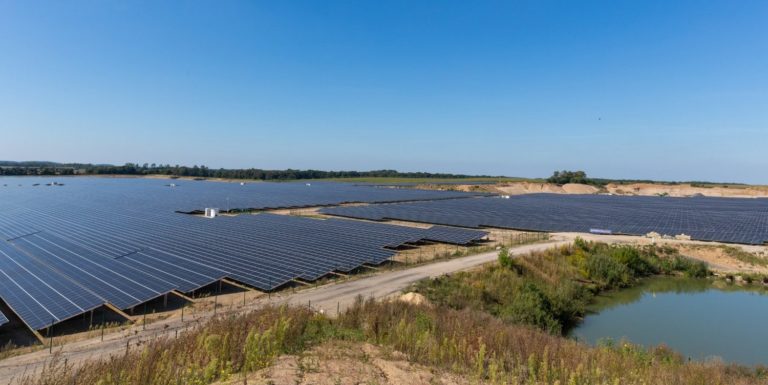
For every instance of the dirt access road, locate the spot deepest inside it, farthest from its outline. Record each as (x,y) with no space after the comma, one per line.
(325,298)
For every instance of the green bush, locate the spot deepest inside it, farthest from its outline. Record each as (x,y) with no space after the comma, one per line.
(697,269)
(581,244)
(607,271)
(631,258)
(505,259)
(531,306)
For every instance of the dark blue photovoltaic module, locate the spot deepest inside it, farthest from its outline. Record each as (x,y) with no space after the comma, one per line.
(68,249)
(730,220)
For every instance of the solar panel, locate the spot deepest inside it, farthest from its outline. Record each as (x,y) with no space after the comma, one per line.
(39,295)
(185,274)
(3,319)
(124,242)
(711,219)
(118,283)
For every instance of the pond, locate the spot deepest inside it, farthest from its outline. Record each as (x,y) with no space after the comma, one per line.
(702,319)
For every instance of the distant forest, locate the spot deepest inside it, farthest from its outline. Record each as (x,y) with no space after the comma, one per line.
(11,168)
(52,168)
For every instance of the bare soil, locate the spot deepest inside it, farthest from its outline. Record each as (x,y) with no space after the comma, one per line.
(347,363)
(687,190)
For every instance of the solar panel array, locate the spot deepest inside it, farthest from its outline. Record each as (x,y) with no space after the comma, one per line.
(709,219)
(39,294)
(66,250)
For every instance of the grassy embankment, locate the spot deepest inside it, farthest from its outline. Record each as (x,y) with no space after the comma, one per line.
(744,256)
(551,290)
(488,345)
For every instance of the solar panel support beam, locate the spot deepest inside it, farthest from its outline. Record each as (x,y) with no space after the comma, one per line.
(235,284)
(38,336)
(182,295)
(118,311)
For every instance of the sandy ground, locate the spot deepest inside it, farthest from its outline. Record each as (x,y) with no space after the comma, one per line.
(352,363)
(530,188)
(644,189)
(516,188)
(685,190)
(347,363)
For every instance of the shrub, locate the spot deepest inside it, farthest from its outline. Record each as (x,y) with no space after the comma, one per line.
(505,259)
(607,271)
(531,306)
(630,257)
(697,269)
(581,244)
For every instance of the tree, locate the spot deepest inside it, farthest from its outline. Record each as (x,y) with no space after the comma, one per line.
(563,177)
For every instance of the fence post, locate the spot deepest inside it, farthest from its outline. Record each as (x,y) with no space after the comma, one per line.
(50,349)
(103,323)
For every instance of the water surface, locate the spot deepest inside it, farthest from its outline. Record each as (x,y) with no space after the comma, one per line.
(702,319)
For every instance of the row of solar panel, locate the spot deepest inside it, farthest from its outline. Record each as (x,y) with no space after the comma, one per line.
(39,294)
(709,219)
(255,239)
(134,229)
(77,258)
(192,196)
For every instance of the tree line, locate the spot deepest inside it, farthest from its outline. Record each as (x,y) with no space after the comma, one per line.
(50,168)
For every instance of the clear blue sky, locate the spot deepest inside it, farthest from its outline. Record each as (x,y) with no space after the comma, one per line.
(674,90)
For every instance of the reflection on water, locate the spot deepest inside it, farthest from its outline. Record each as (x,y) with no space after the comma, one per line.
(699,318)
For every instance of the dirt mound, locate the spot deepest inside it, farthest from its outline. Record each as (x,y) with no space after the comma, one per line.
(646,189)
(687,190)
(414,299)
(519,188)
(575,188)
(347,363)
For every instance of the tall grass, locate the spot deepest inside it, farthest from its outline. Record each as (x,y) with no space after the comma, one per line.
(469,343)
(223,346)
(488,349)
